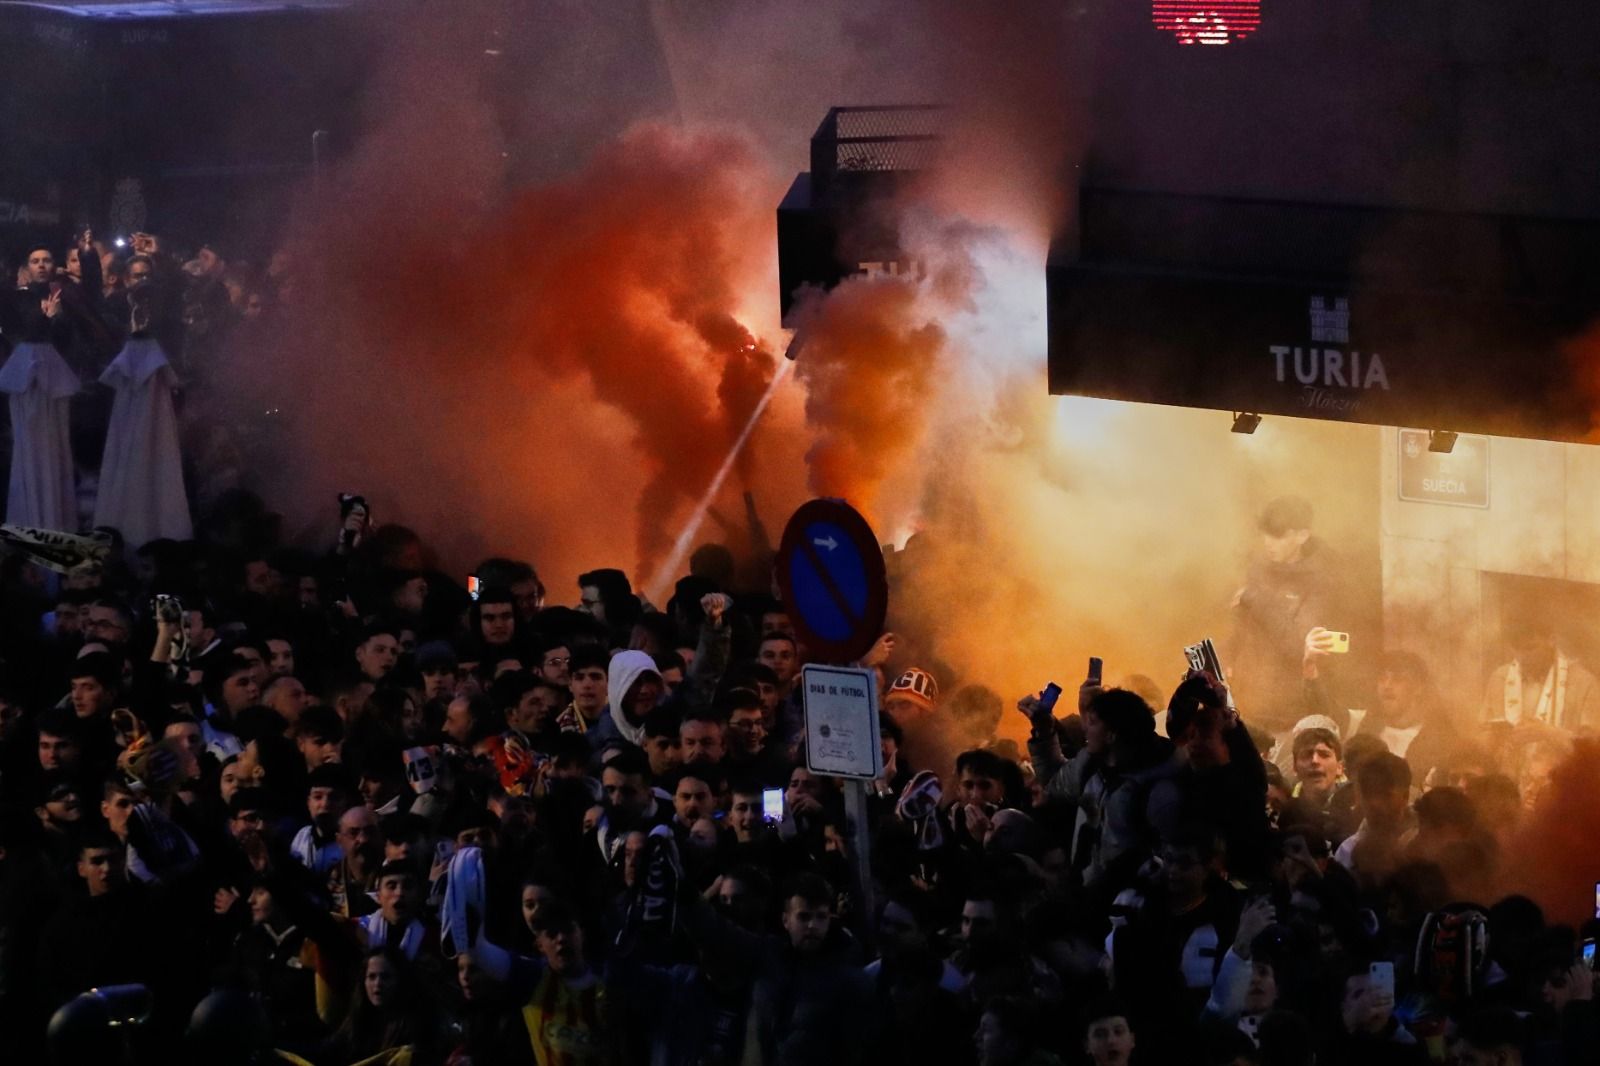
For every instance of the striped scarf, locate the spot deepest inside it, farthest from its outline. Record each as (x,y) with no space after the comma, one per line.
(1552,705)
(378,934)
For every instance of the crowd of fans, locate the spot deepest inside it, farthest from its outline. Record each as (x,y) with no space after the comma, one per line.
(333,806)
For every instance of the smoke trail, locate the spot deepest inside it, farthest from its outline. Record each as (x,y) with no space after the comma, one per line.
(669,568)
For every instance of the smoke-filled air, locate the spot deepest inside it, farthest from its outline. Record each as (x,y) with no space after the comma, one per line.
(569,351)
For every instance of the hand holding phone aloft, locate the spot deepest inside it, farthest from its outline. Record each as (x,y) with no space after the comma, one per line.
(1320,642)
(1039,710)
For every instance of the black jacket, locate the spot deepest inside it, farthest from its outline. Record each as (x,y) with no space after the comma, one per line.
(805,1008)
(1279,604)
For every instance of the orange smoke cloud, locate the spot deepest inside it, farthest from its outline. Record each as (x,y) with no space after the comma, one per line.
(556,369)
(869,364)
(1554,861)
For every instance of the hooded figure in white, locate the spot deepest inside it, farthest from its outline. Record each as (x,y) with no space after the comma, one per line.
(628,669)
(141,475)
(40,387)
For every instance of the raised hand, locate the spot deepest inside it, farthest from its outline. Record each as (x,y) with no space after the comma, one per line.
(715,605)
(880,651)
(1253,920)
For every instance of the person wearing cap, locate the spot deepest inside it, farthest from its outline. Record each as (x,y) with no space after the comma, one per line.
(1322,793)
(912,697)
(910,700)
(59,809)
(437,663)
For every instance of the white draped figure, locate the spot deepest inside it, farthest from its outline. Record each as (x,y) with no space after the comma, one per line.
(141,475)
(39,385)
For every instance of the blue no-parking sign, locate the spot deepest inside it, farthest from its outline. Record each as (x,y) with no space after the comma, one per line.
(830,570)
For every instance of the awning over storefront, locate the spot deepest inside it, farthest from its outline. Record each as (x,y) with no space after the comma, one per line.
(1387,316)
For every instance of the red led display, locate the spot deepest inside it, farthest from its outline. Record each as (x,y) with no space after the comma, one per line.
(1207,21)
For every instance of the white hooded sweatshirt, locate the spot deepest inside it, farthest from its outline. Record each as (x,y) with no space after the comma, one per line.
(627,667)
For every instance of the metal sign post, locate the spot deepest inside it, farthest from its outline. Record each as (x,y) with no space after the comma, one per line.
(841,713)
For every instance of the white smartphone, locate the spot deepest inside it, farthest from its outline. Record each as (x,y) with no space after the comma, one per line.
(772,804)
(1382,978)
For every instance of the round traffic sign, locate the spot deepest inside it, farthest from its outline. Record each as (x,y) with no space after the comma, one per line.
(830,571)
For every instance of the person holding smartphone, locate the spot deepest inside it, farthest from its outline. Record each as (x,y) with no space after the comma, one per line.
(1290,589)
(1403,710)
(1369,1031)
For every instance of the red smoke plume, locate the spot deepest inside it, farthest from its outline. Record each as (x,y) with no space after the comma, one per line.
(536,365)
(1554,862)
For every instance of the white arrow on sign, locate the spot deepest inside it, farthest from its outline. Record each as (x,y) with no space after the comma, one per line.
(830,543)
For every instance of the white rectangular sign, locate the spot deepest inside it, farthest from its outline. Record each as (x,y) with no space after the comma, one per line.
(841,708)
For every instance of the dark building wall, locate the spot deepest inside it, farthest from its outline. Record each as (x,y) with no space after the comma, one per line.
(1477,105)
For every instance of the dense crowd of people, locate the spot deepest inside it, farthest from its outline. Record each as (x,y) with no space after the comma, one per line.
(283,804)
